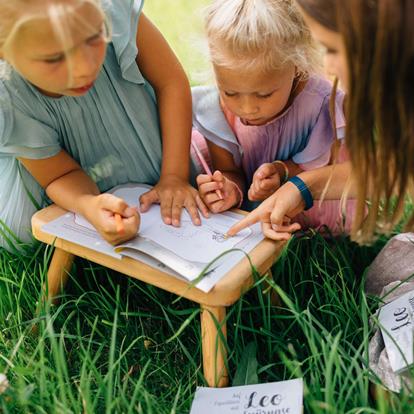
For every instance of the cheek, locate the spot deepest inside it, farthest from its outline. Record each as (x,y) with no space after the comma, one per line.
(100,52)
(229,103)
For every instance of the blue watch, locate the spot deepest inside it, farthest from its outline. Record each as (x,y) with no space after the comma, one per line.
(304,191)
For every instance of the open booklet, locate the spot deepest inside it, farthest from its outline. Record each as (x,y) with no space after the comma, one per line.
(184,252)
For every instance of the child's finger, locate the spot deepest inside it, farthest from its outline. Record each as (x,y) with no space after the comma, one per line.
(166,209)
(192,209)
(265,170)
(254,195)
(176,210)
(290,228)
(256,186)
(270,233)
(112,203)
(218,176)
(147,199)
(211,198)
(202,207)
(210,187)
(203,178)
(268,184)
(247,221)
(131,224)
(218,206)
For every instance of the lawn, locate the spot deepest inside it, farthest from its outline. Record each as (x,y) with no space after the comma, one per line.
(116,345)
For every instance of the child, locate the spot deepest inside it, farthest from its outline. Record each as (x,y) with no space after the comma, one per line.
(81,112)
(269,117)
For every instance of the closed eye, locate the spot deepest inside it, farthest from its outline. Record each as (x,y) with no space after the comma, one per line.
(264,96)
(55,59)
(230,94)
(96,37)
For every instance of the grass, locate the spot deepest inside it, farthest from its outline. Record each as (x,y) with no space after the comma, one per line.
(111,345)
(116,345)
(181,23)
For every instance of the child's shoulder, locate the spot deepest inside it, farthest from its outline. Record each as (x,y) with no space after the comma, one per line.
(318,86)
(122,13)
(315,97)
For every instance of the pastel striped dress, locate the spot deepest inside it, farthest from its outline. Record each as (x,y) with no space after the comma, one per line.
(303,133)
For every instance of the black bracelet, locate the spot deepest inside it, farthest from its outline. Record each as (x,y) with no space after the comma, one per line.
(304,191)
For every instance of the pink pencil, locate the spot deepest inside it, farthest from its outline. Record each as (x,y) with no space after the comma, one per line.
(205,166)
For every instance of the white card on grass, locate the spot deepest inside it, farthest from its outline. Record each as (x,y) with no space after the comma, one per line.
(284,397)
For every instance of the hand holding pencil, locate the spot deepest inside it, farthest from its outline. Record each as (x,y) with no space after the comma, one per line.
(217,191)
(208,186)
(112,217)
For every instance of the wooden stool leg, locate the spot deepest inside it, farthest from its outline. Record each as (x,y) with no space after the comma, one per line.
(213,349)
(58,272)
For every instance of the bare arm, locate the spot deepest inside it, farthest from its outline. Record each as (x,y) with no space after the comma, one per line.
(70,187)
(63,172)
(159,65)
(274,212)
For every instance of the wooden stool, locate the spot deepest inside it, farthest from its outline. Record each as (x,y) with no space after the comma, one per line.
(213,304)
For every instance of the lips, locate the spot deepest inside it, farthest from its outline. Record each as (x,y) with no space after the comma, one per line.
(251,121)
(82,89)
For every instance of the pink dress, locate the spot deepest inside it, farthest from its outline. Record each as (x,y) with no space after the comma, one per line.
(303,133)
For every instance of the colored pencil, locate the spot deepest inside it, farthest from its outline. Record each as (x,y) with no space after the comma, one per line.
(205,166)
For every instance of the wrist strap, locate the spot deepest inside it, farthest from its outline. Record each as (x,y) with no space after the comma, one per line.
(304,191)
(285,168)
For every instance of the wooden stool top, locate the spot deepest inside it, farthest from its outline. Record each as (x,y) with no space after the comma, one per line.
(227,291)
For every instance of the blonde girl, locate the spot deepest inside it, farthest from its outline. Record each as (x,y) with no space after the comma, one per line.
(82,111)
(268,117)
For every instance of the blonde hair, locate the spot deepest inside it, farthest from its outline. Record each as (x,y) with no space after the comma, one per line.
(15,14)
(264,34)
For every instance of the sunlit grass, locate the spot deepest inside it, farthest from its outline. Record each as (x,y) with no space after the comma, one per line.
(181,22)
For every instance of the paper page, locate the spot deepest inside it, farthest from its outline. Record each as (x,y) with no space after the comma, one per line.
(80,231)
(193,243)
(396,324)
(200,244)
(274,397)
(65,227)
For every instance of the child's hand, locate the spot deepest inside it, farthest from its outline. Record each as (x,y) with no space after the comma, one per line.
(275,214)
(174,193)
(266,181)
(101,212)
(211,187)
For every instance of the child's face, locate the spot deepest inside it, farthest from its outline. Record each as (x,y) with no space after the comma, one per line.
(335,54)
(255,97)
(56,70)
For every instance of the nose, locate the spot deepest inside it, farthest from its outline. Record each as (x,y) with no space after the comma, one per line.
(83,63)
(248,106)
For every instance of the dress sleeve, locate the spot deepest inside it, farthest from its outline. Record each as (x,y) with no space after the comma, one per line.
(210,121)
(21,135)
(318,148)
(124,16)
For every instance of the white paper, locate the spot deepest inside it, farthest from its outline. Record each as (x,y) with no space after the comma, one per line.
(284,397)
(183,251)
(396,324)
(200,244)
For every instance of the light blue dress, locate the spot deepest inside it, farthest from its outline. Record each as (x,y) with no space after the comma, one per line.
(113,131)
